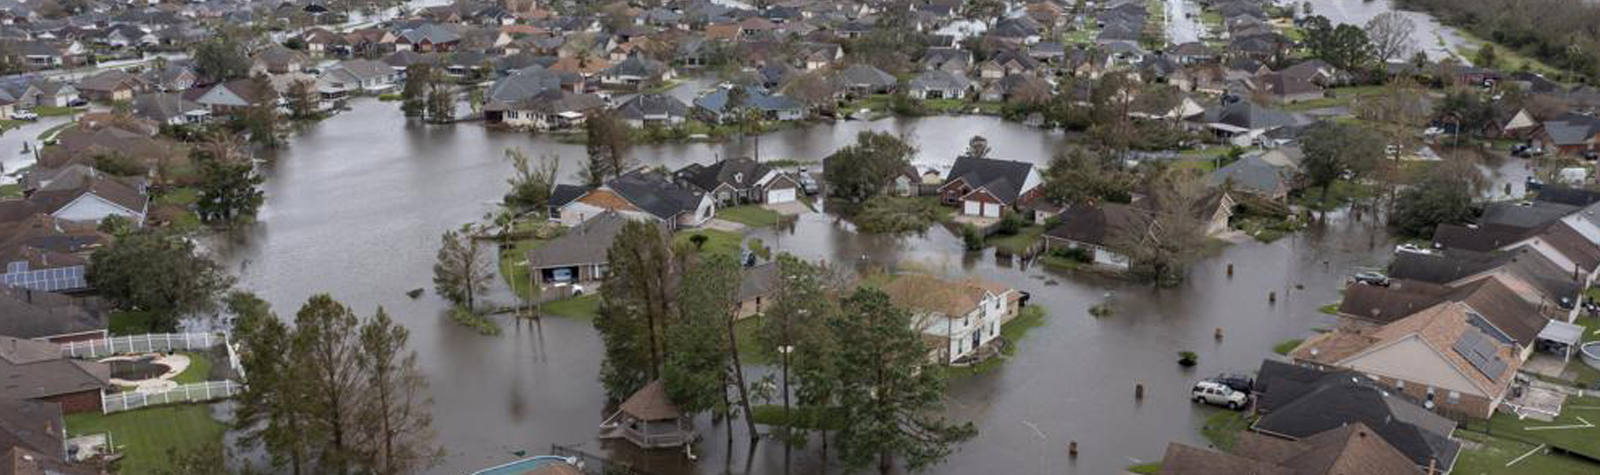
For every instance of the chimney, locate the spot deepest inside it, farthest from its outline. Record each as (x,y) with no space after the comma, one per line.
(1432,463)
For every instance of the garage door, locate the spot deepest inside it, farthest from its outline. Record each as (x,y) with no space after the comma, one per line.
(784,195)
(970,208)
(991,210)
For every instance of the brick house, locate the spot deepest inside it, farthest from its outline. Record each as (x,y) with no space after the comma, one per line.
(37,371)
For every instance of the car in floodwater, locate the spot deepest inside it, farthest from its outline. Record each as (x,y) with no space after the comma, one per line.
(1218,394)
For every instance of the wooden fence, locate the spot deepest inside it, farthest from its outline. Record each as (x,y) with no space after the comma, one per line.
(148,343)
(196,392)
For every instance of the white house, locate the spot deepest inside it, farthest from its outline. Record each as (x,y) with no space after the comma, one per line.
(957,319)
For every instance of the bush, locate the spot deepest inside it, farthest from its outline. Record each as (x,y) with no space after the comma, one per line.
(972,237)
(891,215)
(1011,224)
(473,320)
(390,97)
(1074,253)
(1188,359)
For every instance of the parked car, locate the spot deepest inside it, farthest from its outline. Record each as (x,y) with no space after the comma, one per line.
(1238,382)
(1218,394)
(1526,150)
(808,183)
(24,115)
(1372,278)
(1412,248)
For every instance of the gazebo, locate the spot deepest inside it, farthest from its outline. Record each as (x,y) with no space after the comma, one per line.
(648,419)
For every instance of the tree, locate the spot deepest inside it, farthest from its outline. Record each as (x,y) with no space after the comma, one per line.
(977,147)
(1334,150)
(209,458)
(1170,236)
(303,101)
(462,270)
(221,59)
(269,412)
(441,102)
(1390,33)
(1344,46)
(704,342)
(607,147)
(798,320)
(862,170)
(325,349)
(414,96)
(1444,195)
(986,11)
(1111,100)
(398,435)
(891,392)
(1076,176)
(158,273)
(1486,57)
(531,185)
(636,309)
(260,118)
(230,188)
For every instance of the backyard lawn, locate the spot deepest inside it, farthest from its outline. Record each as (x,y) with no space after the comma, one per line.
(1573,430)
(583,307)
(1488,455)
(717,241)
(128,322)
(12,190)
(1020,242)
(198,370)
(145,435)
(753,216)
(1222,428)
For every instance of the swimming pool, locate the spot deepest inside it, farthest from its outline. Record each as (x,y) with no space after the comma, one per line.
(527,465)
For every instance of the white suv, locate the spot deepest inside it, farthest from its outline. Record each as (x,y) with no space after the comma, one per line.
(1218,394)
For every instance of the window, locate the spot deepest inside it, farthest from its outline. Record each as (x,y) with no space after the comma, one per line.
(1454,397)
(1400,384)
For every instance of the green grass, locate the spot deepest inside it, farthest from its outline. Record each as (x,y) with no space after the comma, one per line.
(583,307)
(717,242)
(1329,309)
(753,216)
(50,133)
(10,191)
(1222,428)
(514,266)
(1340,194)
(1017,243)
(750,350)
(182,197)
(1489,455)
(801,417)
(1062,263)
(1153,468)
(1584,441)
(145,435)
(197,372)
(1286,346)
(126,322)
(1506,58)
(1342,97)
(49,111)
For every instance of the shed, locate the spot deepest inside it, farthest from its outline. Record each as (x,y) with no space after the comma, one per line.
(648,419)
(1562,337)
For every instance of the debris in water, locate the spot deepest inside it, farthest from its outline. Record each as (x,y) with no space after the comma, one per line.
(414,293)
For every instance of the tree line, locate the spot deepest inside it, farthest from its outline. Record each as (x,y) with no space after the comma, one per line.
(670,313)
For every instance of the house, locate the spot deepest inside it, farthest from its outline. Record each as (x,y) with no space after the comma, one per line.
(957,319)
(636,72)
(986,186)
(1492,299)
(864,80)
(1571,133)
(652,109)
(581,253)
(1349,449)
(112,85)
(33,440)
(1298,402)
(1097,229)
(719,105)
(1269,174)
(737,181)
(757,287)
(277,59)
(232,97)
(550,109)
(92,200)
(426,38)
(37,371)
(361,75)
(1539,280)
(30,92)
(939,84)
(1287,89)
(168,108)
(1244,123)
(642,194)
(649,420)
(1448,356)
(48,316)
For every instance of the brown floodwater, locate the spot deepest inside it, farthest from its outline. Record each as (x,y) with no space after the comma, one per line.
(356,204)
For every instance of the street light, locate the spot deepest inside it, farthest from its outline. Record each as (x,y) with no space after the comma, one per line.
(785,350)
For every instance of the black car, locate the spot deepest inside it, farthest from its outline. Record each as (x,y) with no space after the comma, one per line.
(1237,382)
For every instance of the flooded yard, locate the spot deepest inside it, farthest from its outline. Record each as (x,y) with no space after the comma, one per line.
(356,204)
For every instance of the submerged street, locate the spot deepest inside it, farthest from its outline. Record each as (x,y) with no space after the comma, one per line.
(356,204)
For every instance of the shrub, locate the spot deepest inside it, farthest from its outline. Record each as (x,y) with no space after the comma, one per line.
(390,97)
(891,215)
(1074,253)
(1011,224)
(1188,359)
(473,320)
(972,237)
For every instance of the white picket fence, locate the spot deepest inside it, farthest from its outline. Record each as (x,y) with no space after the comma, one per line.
(148,343)
(186,393)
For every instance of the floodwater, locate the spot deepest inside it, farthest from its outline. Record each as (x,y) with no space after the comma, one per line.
(1183,22)
(356,204)
(1431,37)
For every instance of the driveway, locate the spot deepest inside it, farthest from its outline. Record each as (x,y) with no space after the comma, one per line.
(791,208)
(720,224)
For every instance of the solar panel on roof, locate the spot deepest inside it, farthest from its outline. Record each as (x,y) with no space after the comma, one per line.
(1479,351)
(48,280)
(1488,328)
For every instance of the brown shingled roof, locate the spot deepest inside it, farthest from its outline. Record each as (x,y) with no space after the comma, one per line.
(651,403)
